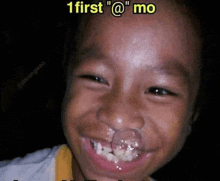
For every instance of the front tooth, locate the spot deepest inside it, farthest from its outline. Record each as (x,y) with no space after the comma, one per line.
(119,152)
(107,149)
(110,157)
(99,148)
(96,144)
(128,152)
(130,157)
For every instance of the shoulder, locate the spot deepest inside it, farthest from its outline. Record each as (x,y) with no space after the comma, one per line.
(40,164)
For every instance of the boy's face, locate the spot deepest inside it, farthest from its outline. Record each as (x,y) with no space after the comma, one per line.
(138,72)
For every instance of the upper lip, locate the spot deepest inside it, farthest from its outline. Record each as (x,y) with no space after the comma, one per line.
(101,141)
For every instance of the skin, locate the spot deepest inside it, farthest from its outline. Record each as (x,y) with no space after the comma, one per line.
(142,73)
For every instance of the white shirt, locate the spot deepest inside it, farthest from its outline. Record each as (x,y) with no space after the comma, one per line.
(36,166)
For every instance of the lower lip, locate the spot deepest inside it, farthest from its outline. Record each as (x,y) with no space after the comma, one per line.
(111,166)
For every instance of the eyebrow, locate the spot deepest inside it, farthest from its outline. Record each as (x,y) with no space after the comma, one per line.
(170,66)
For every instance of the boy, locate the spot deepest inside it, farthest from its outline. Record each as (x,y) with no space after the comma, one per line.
(139,72)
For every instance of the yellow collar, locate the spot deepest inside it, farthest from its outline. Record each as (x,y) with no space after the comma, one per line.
(64,164)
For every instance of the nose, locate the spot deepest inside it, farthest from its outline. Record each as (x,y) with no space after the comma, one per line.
(121,111)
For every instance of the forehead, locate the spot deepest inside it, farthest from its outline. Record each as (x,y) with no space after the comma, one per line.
(167,17)
(151,40)
(166,30)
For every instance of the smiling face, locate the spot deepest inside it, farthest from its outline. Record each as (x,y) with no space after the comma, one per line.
(138,72)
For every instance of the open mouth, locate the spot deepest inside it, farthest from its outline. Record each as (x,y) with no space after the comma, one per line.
(118,161)
(116,155)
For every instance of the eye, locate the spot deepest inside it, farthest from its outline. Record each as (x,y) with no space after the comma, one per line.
(160,91)
(94,78)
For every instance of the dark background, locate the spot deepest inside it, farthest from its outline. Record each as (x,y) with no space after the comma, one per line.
(32,33)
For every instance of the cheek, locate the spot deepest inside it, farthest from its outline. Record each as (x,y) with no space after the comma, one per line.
(80,101)
(81,104)
(172,123)
(75,107)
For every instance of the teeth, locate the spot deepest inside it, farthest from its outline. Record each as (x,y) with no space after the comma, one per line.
(120,154)
(106,149)
(110,157)
(95,144)
(99,149)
